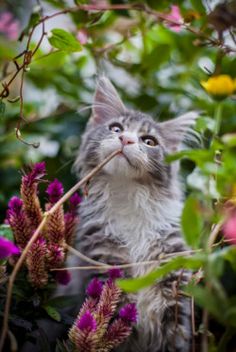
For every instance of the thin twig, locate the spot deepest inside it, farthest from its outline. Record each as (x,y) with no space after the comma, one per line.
(204,341)
(85,258)
(103,266)
(214,233)
(37,232)
(193,323)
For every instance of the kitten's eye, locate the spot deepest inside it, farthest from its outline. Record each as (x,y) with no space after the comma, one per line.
(149,140)
(116,127)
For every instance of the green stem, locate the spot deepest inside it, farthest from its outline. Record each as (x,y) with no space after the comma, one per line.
(222,347)
(218,119)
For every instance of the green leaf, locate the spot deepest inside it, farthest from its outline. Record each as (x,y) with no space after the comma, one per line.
(200,157)
(133,285)
(192,222)
(2,108)
(198,5)
(5,231)
(64,301)
(207,299)
(231,316)
(229,254)
(52,312)
(64,40)
(156,57)
(34,19)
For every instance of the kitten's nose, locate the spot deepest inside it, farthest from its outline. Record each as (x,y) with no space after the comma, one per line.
(126,140)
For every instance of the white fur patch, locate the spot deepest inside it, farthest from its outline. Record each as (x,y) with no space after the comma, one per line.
(133,214)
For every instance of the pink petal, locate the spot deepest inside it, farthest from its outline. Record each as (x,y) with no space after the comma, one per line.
(174,15)
(13,30)
(229,229)
(5,17)
(82,36)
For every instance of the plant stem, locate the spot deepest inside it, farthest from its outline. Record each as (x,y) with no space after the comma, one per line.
(225,339)
(218,118)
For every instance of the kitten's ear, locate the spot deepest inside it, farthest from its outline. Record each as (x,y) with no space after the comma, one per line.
(106,103)
(179,130)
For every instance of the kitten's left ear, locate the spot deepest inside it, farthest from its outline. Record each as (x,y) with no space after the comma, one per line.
(179,130)
(107,103)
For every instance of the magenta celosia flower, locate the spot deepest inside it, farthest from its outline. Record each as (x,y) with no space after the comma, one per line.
(70,220)
(17,220)
(115,273)
(55,191)
(9,26)
(75,200)
(94,288)
(29,194)
(128,313)
(36,263)
(87,322)
(55,255)
(97,328)
(37,172)
(63,277)
(15,205)
(174,15)
(7,248)
(229,228)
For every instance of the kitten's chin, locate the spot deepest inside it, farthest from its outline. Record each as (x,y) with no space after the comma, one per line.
(120,166)
(124,164)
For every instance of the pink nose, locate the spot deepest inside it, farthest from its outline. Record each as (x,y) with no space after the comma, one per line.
(126,140)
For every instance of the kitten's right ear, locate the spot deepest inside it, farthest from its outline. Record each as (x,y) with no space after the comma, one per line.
(106,103)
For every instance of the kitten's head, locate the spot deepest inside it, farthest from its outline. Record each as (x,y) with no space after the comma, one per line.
(144,142)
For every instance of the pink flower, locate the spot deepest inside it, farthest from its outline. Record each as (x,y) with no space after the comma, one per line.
(128,313)
(15,205)
(7,248)
(115,273)
(29,194)
(55,191)
(71,219)
(36,263)
(94,288)
(175,16)
(17,219)
(75,200)
(37,172)
(82,36)
(87,322)
(229,228)
(9,26)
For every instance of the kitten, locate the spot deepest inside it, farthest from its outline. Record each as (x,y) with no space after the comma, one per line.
(133,208)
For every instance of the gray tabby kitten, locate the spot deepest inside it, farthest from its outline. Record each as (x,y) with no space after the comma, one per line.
(132,211)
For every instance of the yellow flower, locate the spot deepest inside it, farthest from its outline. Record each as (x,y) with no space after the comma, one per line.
(220,86)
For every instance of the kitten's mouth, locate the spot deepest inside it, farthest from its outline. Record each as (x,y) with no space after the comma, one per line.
(122,154)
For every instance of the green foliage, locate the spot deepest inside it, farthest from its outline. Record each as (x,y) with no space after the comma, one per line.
(64,40)
(2,108)
(192,221)
(5,231)
(53,313)
(133,285)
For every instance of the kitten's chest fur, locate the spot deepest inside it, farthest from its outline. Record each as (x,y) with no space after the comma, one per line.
(134,215)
